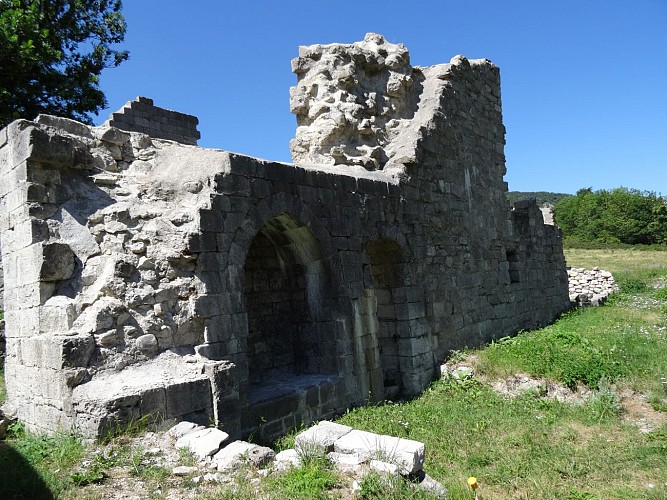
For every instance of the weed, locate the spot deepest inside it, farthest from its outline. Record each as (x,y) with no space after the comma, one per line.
(379,486)
(605,403)
(185,457)
(33,464)
(311,480)
(133,427)
(632,285)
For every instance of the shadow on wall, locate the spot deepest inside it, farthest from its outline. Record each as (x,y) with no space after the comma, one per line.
(18,479)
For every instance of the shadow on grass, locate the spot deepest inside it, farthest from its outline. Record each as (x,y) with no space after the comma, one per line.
(18,480)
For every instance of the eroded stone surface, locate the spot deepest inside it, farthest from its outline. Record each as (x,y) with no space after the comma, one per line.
(320,438)
(406,454)
(240,453)
(203,442)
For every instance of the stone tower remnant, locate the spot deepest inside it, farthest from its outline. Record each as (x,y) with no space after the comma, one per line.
(145,276)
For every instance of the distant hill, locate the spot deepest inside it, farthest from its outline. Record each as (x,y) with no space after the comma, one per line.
(540,196)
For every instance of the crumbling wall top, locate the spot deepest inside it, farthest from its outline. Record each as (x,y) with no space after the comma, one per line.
(363,103)
(351,100)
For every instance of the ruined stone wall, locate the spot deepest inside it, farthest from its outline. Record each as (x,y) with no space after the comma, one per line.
(146,276)
(141,116)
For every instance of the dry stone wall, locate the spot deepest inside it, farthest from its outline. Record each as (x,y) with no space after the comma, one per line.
(151,277)
(590,286)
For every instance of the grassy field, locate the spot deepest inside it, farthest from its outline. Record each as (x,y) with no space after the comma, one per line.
(607,441)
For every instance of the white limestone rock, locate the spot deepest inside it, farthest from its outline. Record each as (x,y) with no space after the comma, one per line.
(203,443)
(240,453)
(183,428)
(287,459)
(384,467)
(320,438)
(407,454)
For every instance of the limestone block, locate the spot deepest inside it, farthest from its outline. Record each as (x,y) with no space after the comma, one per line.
(407,454)
(147,343)
(346,462)
(112,135)
(286,459)
(182,428)
(239,453)
(202,443)
(66,124)
(320,438)
(52,148)
(384,467)
(57,315)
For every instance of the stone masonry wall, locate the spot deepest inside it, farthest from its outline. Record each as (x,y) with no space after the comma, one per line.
(142,116)
(150,277)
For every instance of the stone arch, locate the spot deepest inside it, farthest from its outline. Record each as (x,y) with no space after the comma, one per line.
(387,266)
(286,286)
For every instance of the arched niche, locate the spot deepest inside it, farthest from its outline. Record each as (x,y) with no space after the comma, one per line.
(387,269)
(287,290)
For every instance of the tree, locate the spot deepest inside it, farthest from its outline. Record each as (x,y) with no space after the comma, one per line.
(52,53)
(621,215)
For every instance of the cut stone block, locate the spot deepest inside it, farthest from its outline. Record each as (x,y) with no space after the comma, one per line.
(320,438)
(384,467)
(287,459)
(407,454)
(183,428)
(203,443)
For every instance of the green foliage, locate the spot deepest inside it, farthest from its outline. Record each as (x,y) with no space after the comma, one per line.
(52,53)
(375,486)
(622,215)
(541,197)
(36,465)
(562,352)
(311,480)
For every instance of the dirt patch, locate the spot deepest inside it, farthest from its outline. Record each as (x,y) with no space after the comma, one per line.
(639,411)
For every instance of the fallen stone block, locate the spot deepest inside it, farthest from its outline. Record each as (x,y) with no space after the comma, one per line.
(203,443)
(287,459)
(183,470)
(320,438)
(346,462)
(407,454)
(384,467)
(240,453)
(183,428)
(430,485)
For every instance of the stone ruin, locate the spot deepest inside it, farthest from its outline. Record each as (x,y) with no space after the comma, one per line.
(146,277)
(590,287)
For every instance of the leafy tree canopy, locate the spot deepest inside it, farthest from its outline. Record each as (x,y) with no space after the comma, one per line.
(621,215)
(52,53)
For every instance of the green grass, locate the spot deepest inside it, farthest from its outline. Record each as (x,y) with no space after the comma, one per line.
(312,480)
(37,466)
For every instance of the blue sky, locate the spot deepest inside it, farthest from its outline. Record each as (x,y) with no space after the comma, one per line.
(584,83)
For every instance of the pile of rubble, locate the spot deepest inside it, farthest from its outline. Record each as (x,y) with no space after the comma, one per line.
(351,451)
(590,287)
